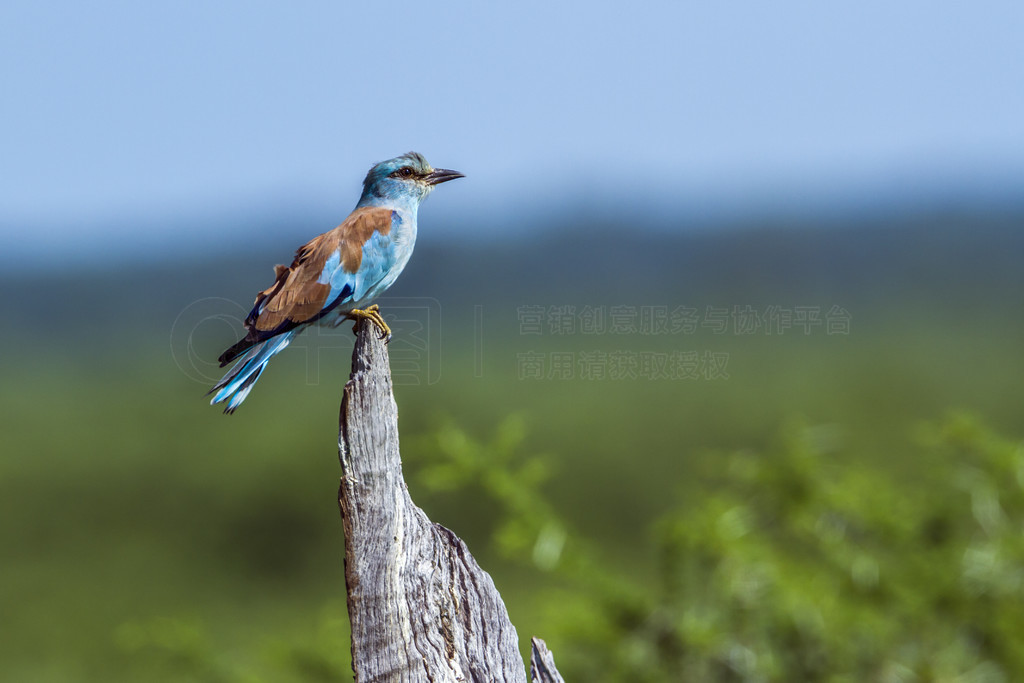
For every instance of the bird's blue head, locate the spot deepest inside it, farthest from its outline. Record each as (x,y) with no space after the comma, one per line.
(404,180)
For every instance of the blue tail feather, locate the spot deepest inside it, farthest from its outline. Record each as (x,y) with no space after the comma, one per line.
(239,381)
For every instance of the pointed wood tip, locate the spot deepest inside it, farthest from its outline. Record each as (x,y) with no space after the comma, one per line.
(542,663)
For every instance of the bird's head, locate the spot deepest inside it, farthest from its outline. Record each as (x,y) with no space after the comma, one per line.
(408,178)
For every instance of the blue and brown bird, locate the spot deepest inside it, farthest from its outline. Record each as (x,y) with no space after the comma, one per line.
(335,276)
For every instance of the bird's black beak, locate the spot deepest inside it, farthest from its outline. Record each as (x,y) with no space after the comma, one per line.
(442,175)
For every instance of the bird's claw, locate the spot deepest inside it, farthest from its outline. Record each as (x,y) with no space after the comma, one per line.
(372,313)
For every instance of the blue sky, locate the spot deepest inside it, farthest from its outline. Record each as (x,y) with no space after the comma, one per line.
(114,112)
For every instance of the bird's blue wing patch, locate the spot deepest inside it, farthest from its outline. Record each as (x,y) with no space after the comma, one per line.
(378,263)
(342,283)
(375,273)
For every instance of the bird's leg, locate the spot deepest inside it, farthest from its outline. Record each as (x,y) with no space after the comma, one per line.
(372,313)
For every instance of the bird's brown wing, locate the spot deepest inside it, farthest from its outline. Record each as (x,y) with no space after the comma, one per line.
(298,296)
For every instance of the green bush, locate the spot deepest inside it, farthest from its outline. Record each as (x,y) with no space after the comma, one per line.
(800,564)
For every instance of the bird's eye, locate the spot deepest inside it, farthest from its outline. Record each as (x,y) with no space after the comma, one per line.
(404,172)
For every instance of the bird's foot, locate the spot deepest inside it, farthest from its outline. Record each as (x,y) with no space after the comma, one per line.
(371,313)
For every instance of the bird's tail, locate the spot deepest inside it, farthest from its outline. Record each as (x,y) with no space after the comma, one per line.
(237,384)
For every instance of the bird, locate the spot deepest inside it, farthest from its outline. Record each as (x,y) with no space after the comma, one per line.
(335,276)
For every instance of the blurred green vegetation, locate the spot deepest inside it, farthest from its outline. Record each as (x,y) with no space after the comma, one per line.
(815,516)
(795,567)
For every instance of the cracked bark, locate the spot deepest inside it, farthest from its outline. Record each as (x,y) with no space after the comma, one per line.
(420,606)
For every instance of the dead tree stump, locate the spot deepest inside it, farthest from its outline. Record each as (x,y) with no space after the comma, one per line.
(420,606)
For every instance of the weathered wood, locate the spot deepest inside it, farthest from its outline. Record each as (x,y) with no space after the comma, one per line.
(542,663)
(421,608)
